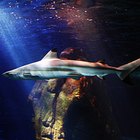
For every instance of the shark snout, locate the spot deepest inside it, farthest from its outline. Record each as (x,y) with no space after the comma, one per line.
(7,74)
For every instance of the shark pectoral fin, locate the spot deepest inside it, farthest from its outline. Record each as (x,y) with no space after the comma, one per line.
(101,77)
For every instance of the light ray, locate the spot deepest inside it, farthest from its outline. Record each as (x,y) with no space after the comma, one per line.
(14,47)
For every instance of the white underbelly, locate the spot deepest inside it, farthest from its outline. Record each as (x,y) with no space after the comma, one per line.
(50,74)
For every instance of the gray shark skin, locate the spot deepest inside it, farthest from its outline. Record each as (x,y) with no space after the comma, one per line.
(51,67)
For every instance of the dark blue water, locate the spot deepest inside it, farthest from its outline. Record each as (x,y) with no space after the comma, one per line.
(27,33)
(109,30)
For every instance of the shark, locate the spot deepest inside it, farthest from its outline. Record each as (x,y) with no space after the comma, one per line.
(52,67)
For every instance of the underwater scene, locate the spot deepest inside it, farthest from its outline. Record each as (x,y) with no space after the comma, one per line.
(69,70)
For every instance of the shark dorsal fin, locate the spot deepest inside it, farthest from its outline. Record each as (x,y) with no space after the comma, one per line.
(51,54)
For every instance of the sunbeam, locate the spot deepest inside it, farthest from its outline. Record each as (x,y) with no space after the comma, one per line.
(13,42)
(11,38)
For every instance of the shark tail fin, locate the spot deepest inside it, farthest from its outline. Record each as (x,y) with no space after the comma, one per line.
(127,69)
